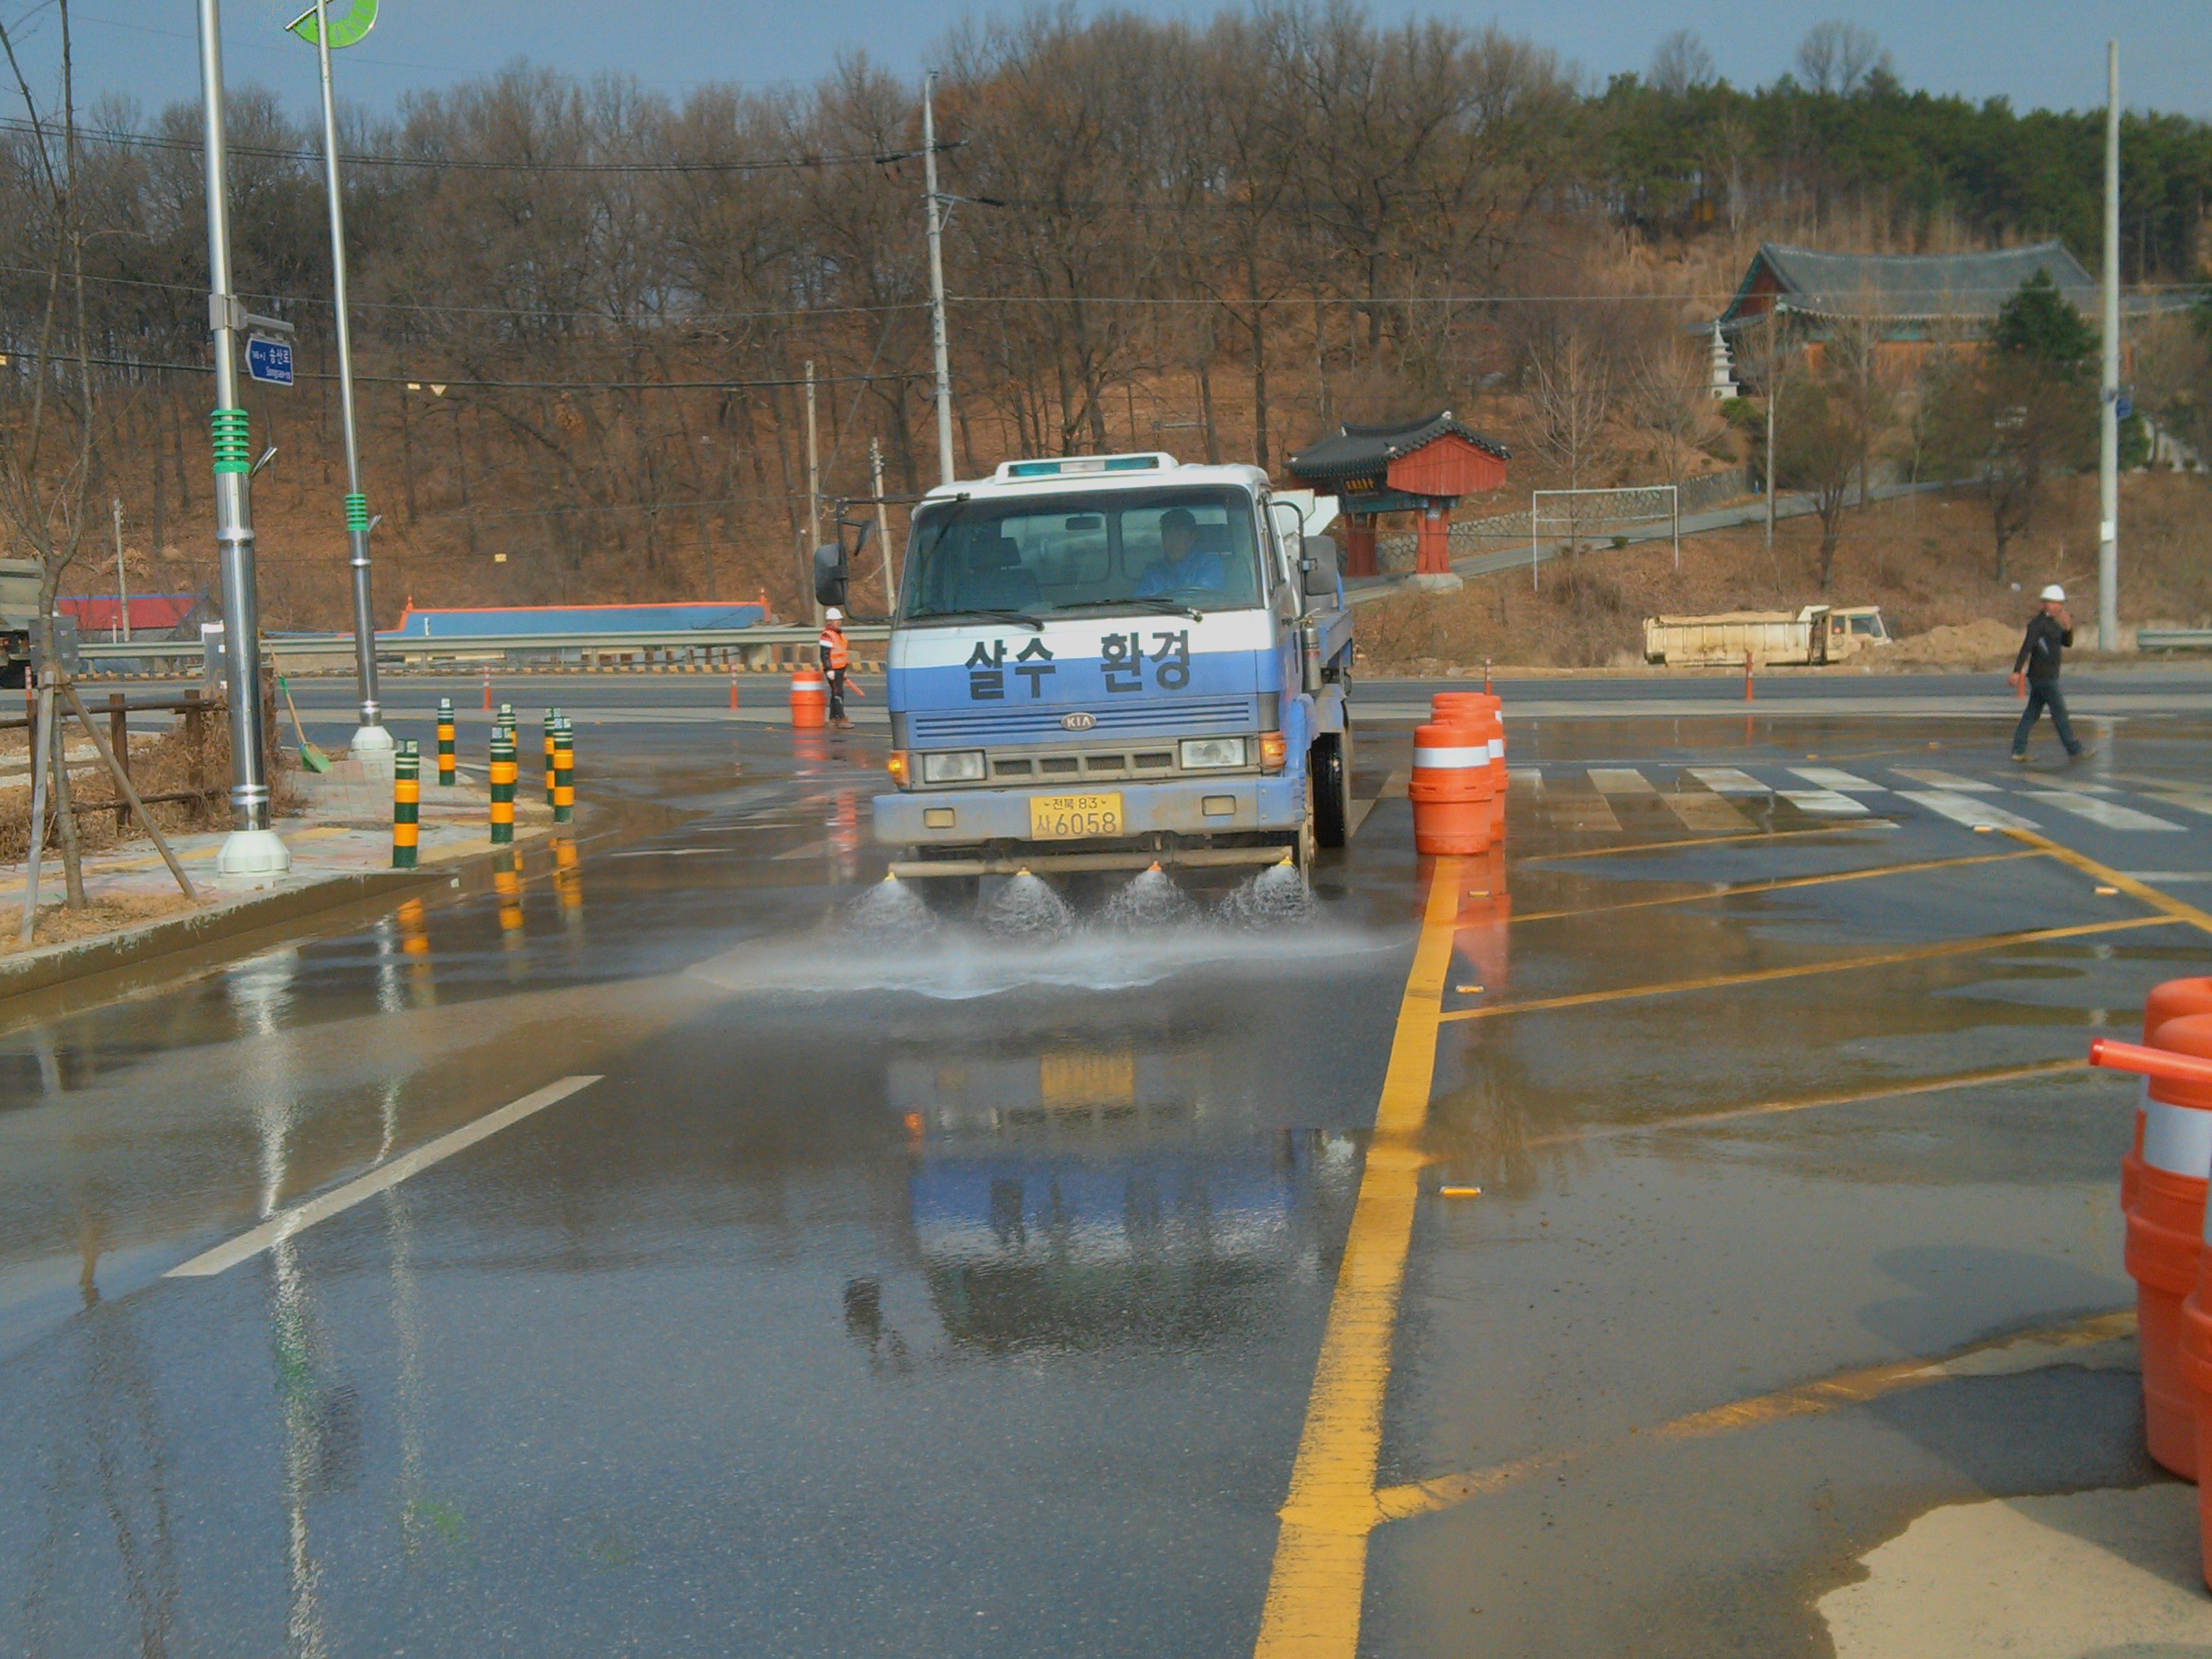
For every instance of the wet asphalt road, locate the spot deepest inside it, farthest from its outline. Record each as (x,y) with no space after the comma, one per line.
(897,1293)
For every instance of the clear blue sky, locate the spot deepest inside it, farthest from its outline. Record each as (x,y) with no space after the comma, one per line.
(2046,53)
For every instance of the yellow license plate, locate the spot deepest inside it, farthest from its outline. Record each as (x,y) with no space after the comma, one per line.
(1075,817)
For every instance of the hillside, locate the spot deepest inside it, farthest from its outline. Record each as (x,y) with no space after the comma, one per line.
(1926,560)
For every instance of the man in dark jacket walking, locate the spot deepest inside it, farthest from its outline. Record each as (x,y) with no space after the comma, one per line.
(2049,631)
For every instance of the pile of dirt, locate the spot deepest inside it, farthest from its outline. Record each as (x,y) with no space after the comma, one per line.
(1974,645)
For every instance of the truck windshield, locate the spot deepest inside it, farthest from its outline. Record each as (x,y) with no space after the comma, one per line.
(1188,550)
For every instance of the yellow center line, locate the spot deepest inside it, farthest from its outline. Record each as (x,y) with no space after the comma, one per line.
(1703,841)
(1804,969)
(1811,1103)
(2142,891)
(1780,885)
(1320,1571)
(2023,1351)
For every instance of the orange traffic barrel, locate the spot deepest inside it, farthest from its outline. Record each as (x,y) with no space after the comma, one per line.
(1485,712)
(2166,1229)
(1453,803)
(810,699)
(2170,1000)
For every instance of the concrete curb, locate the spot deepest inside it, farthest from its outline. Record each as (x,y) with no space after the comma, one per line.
(50,965)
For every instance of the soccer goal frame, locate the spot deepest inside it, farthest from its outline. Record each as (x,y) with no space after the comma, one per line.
(1663,501)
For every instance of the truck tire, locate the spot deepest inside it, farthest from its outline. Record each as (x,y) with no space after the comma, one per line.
(1329,765)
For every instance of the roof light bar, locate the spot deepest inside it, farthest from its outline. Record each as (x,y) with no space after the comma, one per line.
(1080,466)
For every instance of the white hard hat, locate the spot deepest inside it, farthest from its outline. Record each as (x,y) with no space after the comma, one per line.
(834,615)
(2056,593)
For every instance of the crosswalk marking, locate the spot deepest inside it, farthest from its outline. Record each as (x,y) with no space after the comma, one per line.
(2187,803)
(1619,780)
(1524,777)
(1702,810)
(1727,781)
(1967,809)
(1580,813)
(1828,803)
(1950,782)
(2110,814)
(1827,777)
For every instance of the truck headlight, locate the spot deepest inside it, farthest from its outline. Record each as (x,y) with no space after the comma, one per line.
(1201,753)
(962,766)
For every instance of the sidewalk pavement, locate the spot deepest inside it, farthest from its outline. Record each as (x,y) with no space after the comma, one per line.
(341,847)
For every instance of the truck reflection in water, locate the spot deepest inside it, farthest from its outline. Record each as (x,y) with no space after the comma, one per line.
(1085,1199)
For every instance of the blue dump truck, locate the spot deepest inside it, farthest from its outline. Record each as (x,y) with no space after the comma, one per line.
(1105,662)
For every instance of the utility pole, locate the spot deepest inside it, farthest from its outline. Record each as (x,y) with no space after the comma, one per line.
(813,496)
(936,282)
(371,738)
(883,524)
(122,582)
(252,852)
(2108,446)
(1773,397)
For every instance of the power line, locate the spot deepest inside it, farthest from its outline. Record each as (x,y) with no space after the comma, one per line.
(262,152)
(421,379)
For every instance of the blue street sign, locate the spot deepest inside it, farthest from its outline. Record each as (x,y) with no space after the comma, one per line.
(2124,404)
(269,360)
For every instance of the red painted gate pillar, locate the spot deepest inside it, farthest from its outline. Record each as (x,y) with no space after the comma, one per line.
(1432,549)
(1360,545)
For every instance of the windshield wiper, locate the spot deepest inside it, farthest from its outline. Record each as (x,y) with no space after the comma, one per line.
(1152,606)
(1021,617)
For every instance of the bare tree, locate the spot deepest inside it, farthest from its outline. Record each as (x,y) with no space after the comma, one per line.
(1667,392)
(50,459)
(1680,62)
(1572,390)
(1840,59)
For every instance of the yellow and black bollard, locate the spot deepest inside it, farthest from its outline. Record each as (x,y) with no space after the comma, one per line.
(503,787)
(445,757)
(564,771)
(552,725)
(406,804)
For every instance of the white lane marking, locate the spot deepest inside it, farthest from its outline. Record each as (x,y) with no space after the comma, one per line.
(2168,877)
(1524,777)
(1702,810)
(672,853)
(2187,803)
(1619,780)
(1948,781)
(286,1223)
(1727,781)
(2110,814)
(1844,782)
(1826,802)
(1967,809)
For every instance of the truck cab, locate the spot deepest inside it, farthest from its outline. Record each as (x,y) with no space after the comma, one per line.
(1105,662)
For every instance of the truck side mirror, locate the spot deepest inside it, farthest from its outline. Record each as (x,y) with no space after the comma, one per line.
(1318,562)
(829,573)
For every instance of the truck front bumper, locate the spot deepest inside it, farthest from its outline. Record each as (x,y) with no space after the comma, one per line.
(1238,804)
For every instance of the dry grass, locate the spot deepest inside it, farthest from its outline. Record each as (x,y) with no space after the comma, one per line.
(1927,561)
(57,926)
(159,765)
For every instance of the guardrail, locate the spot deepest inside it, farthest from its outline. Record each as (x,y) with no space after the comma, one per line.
(755,648)
(2173,638)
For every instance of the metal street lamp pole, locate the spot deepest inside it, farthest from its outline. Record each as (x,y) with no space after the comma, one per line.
(2108,446)
(936,282)
(371,736)
(252,850)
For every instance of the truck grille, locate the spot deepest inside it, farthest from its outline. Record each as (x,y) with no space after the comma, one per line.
(954,728)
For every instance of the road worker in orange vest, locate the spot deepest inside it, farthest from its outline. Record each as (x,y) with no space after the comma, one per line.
(835,659)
